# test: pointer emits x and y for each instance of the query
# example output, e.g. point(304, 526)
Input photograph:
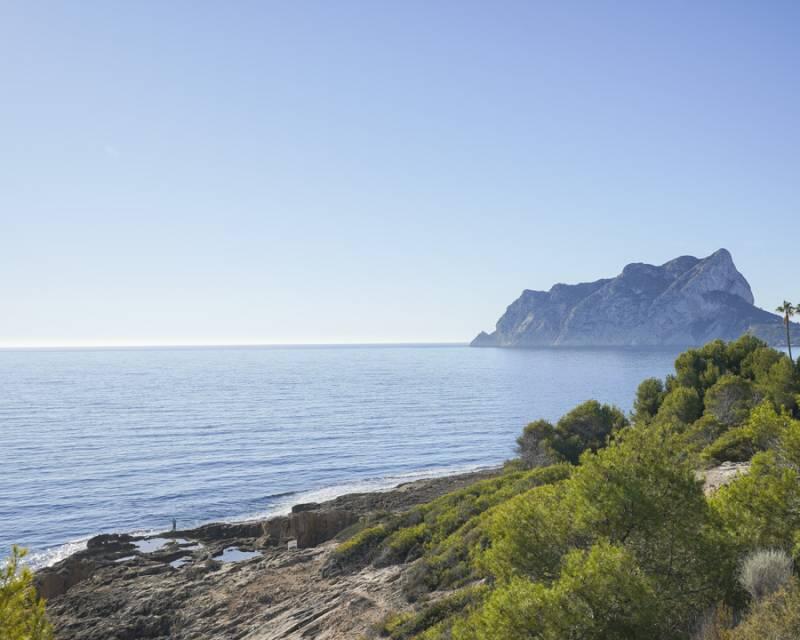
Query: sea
point(125, 440)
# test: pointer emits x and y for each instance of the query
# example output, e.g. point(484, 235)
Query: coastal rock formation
point(178, 586)
point(686, 301)
point(182, 591)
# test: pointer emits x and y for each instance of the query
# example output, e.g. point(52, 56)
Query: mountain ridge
point(683, 302)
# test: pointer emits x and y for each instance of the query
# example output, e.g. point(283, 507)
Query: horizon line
point(221, 345)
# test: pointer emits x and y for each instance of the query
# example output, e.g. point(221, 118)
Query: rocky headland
point(235, 580)
point(686, 301)
point(242, 580)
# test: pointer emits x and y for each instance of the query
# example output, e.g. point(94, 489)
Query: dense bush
point(408, 625)
point(681, 407)
point(586, 428)
point(762, 508)
point(649, 396)
point(639, 495)
point(761, 431)
point(730, 399)
point(735, 445)
point(534, 446)
point(444, 530)
point(701, 433)
point(601, 593)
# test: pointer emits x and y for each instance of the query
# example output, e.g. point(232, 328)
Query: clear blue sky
point(284, 172)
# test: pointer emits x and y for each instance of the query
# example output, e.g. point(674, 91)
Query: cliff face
point(687, 301)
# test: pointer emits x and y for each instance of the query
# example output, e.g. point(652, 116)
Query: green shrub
point(762, 507)
point(762, 431)
point(681, 407)
point(600, 594)
point(453, 554)
point(534, 445)
point(640, 493)
point(587, 427)
point(730, 399)
point(779, 382)
point(766, 425)
point(700, 369)
point(649, 396)
point(446, 530)
point(402, 542)
point(362, 546)
point(702, 433)
point(409, 625)
point(735, 445)
point(529, 535)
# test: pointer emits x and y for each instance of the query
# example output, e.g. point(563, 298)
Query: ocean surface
point(125, 440)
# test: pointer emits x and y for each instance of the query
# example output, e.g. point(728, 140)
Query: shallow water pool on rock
point(151, 545)
point(234, 554)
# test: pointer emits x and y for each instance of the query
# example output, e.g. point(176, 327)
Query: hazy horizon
point(265, 173)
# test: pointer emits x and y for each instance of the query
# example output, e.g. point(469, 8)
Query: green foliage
point(22, 614)
point(534, 445)
point(762, 430)
point(770, 374)
point(457, 529)
point(587, 427)
point(649, 396)
point(359, 548)
point(529, 534)
point(641, 494)
point(601, 593)
point(730, 399)
point(444, 530)
point(409, 625)
point(762, 507)
point(767, 426)
point(701, 433)
point(780, 384)
point(735, 445)
point(699, 369)
point(740, 351)
point(757, 364)
point(681, 407)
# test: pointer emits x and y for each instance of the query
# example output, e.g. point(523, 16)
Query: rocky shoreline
point(243, 580)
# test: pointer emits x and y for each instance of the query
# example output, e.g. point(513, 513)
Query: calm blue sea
point(124, 440)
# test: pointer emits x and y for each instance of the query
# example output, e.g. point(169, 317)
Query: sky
point(325, 172)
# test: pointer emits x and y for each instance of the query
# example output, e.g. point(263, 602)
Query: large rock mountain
point(687, 301)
